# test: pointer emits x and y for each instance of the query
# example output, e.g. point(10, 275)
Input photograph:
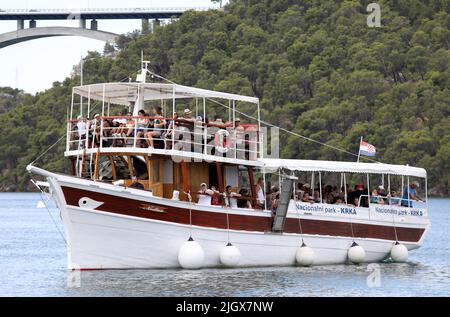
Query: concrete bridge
point(23, 34)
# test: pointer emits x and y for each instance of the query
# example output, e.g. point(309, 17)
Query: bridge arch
point(23, 35)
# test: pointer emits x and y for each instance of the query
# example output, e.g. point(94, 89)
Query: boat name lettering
point(348, 210)
point(310, 208)
point(321, 208)
point(399, 212)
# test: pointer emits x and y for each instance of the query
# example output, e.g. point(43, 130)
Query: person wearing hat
point(204, 195)
point(378, 196)
point(218, 123)
point(187, 115)
point(410, 194)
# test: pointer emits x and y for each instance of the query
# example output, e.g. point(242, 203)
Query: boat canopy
point(272, 165)
point(124, 93)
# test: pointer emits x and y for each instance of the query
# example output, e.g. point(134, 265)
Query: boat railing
point(189, 136)
point(387, 200)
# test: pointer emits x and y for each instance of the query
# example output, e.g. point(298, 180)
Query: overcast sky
point(34, 65)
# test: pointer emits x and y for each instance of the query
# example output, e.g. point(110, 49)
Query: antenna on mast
point(144, 69)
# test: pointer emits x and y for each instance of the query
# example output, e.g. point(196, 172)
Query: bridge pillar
point(145, 26)
point(20, 24)
point(32, 24)
point(94, 25)
point(155, 23)
point(82, 23)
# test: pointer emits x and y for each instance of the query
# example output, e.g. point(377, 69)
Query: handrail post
point(135, 133)
point(101, 133)
point(205, 137)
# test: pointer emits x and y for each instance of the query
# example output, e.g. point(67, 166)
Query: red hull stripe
point(142, 209)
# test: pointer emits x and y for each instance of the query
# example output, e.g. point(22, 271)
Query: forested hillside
point(317, 67)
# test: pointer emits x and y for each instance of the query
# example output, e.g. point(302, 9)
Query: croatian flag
point(366, 149)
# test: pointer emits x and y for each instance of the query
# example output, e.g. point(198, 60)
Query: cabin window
point(232, 176)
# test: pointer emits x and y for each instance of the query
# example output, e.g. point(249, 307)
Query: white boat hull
point(99, 239)
point(105, 241)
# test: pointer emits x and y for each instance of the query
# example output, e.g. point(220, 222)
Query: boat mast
point(141, 78)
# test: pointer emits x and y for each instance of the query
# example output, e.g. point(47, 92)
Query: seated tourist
point(354, 197)
point(381, 191)
point(158, 126)
point(204, 195)
point(316, 196)
point(327, 190)
point(307, 198)
point(142, 125)
point(106, 133)
point(135, 184)
point(330, 198)
point(307, 188)
point(120, 120)
point(338, 201)
point(119, 125)
point(170, 132)
point(129, 127)
point(299, 192)
point(377, 196)
point(393, 199)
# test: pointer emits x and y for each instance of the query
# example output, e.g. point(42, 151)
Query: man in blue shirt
point(412, 195)
point(136, 183)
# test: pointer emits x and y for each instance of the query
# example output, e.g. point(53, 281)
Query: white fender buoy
point(399, 253)
point(230, 255)
point(40, 204)
point(356, 253)
point(304, 255)
point(191, 255)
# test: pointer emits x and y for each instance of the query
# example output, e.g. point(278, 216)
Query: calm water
point(33, 263)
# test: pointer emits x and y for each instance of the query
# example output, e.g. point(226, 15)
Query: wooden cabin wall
point(197, 173)
point(168, 178)
point(156, 168)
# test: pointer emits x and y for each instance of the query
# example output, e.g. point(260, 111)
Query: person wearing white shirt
point(204, 195)
point(81, 127)
point(230, 197)
point(260, 192)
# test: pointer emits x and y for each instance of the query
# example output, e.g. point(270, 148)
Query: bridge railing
point(100, 10)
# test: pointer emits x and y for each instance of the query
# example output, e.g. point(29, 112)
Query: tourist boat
point(110, 224)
